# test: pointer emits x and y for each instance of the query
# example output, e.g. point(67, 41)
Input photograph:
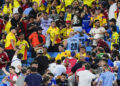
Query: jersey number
point(74, 46)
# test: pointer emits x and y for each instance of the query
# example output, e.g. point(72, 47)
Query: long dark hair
point(88, 9)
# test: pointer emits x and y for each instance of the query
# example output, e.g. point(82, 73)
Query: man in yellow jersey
point(68, 15)
point(24, 46)
point(63, 53)
point(82, 53)
point(10, 44)
point(54, 33)
point(45, 53)
point(66, 31)
point(115, 36)
point(98, 16)
point(16, 5)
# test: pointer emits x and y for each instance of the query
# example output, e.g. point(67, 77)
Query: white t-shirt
point(15, 79)
point(16, 62)
point(118, 21)
point(59, 70)
point(96, 33)
point(112, 10)
point(52, 67)
point(85, 78)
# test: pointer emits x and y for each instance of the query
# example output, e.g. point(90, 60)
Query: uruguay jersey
point(82, 39)
point(73, 44)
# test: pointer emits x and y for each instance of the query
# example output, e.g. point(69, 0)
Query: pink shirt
point(72, 62)
point(13, 77)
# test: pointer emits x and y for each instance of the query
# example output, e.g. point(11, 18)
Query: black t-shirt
point(94, 63)
point(77, 66)
point(43, 63)
point(33, 80)
point(34, 13)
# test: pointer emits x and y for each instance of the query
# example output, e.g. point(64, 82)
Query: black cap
point(69, 6)
point(1, 45)
point(39, 28)
point(53, 8)
point(13, 27)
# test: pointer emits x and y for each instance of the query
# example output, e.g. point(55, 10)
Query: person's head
point(111, 1)
point(16, 16)
point(20, 56)
point(7, 1)
point(118, 4)
point(113, 28)
point(46, 80)
point(3, 35)
point(12, 69)
point(53, 24)
point(25, 19)
point(105, 56)
point(106, 67)
point(39, 29)
point(33, 69)
point(24, 70)
point(58, 62)
point(6, 18)
point(87, 66)
point(51, 75)
point(68, 9)
point(112, 22)
point(52, 60)
point(94, 4)
point(28, 70)
point(31, 18)
point(102, 62)
point(44, 50)
point(34, 64)
point(21, 36)
point(85, 8)
point(115, 47)
point(1, 48)
point(68, 24)
point(98, 10)
point(13, 30)
point(100, 50)
point(61, 15)
point(45, 15)
point(63, 76)
point(93, 54)
point(53, 9)
point(83, 49)
point(114, 54)
point(71, 34)
point(35, 5)
point(97, 23)
point(61, 48)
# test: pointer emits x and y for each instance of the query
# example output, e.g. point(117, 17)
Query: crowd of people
point(85, 35)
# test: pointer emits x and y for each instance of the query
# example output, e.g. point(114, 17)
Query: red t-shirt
point(13, 77)
point(72, 63)
point(1, 25)
point(4, 57)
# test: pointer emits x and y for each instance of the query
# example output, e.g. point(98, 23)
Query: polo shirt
point(33, 79)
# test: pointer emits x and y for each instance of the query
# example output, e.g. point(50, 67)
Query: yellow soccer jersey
point(115, 39)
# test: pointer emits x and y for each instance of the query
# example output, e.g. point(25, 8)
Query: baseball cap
point(68, 22)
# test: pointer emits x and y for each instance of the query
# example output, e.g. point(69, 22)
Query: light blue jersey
point(82, 39)
point(73, 44)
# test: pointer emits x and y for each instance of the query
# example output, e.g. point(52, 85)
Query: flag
point(44, 2)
